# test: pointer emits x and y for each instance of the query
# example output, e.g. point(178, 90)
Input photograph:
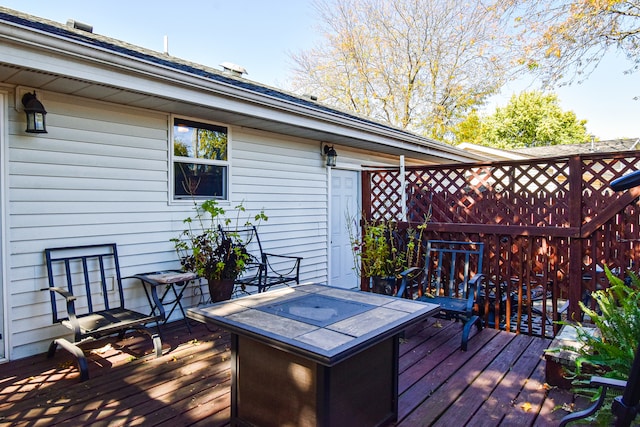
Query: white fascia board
point(491, 153)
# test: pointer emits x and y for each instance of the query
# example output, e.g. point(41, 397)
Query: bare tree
point(420, 65)
point(562, 41)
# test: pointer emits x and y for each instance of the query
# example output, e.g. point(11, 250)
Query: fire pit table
point(314, 355)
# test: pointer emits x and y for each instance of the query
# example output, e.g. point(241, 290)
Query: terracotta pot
point(220, 289)
point(383, 285)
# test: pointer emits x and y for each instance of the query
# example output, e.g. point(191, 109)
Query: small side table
point(175, 282)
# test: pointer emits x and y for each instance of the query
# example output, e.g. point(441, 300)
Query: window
point(200, 160)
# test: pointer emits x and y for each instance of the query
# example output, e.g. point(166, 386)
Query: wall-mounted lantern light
point(331, 154)
point(35, 113)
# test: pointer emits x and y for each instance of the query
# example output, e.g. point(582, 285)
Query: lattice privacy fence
point(550, 226)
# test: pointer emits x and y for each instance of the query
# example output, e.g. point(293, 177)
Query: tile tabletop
point(323, 323)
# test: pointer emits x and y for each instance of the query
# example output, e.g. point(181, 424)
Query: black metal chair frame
point(265, 269)
point(81, 276)
point(625, 407)
point(440, 282)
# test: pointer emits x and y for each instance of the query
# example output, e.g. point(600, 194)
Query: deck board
point(508, 393)
point(482, 382)
point(498, 381)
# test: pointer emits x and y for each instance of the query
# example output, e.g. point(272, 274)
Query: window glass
point(200, 180)
point(199, 140)
point(200, 160)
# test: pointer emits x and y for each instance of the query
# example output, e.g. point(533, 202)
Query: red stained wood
point(559, 215)
point(190, 383)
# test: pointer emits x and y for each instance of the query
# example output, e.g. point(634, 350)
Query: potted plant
point(203, 249)
point(381, 251)
point(611, 350)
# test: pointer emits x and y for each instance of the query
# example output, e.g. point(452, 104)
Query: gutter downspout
point(403, 187)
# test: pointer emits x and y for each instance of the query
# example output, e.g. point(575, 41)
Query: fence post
point(403, 190)
point(576, 242)
point(365, 184)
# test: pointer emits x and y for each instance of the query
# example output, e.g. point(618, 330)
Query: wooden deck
point(498, 381)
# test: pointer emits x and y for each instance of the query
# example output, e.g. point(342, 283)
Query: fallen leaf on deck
point(102, 350)
point(526, 406)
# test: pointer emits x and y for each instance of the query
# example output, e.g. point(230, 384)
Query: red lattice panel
point(385, 197)
point(596, 175)
point(505, 194)
point(530, 202)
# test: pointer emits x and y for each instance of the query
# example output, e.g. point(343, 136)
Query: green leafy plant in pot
point(380, 255)
point(203, 249)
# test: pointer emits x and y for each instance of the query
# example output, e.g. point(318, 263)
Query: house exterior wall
point(101, 175)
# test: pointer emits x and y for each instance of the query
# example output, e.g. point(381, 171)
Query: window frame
point(173, 159)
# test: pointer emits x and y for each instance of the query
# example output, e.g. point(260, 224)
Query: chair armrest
point(68, 296)
point(408, 271)
point(406, 275)
point(608, 382)
point(472, 291)
point(298, 258)
point(292, 265)
point(71, 309)
point(605, 383)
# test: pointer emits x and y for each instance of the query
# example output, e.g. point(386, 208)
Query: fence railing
point(550, 226)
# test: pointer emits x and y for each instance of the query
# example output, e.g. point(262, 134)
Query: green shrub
point(611, 352)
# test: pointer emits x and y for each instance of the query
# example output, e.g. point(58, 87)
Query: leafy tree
point(532, 118)
point(562, 40)
point(469, 129)
point(420, 65)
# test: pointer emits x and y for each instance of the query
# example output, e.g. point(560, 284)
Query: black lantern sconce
point(331, 154)
point(35, 113)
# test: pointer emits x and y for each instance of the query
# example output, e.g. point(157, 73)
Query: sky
point(259, 35)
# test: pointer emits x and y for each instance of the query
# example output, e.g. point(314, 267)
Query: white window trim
point(226, 163)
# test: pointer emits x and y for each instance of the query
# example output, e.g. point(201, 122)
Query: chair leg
point(157, 344)
point(467, 329)
point(155, 338)
point(74, 350)
point(52, 349)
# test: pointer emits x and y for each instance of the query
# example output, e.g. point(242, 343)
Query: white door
point(345, 200)
point(3, 170)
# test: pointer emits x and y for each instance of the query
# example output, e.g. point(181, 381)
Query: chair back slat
point(449, 264)
point(89, 268)
point(87, 283)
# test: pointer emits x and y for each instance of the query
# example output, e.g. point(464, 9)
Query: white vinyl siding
point(287, 178)
point(101, 175)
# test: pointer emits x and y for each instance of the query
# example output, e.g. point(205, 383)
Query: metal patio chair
point(265, 269)
point(625, 407)
point(451, 278)
point(87, 280)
